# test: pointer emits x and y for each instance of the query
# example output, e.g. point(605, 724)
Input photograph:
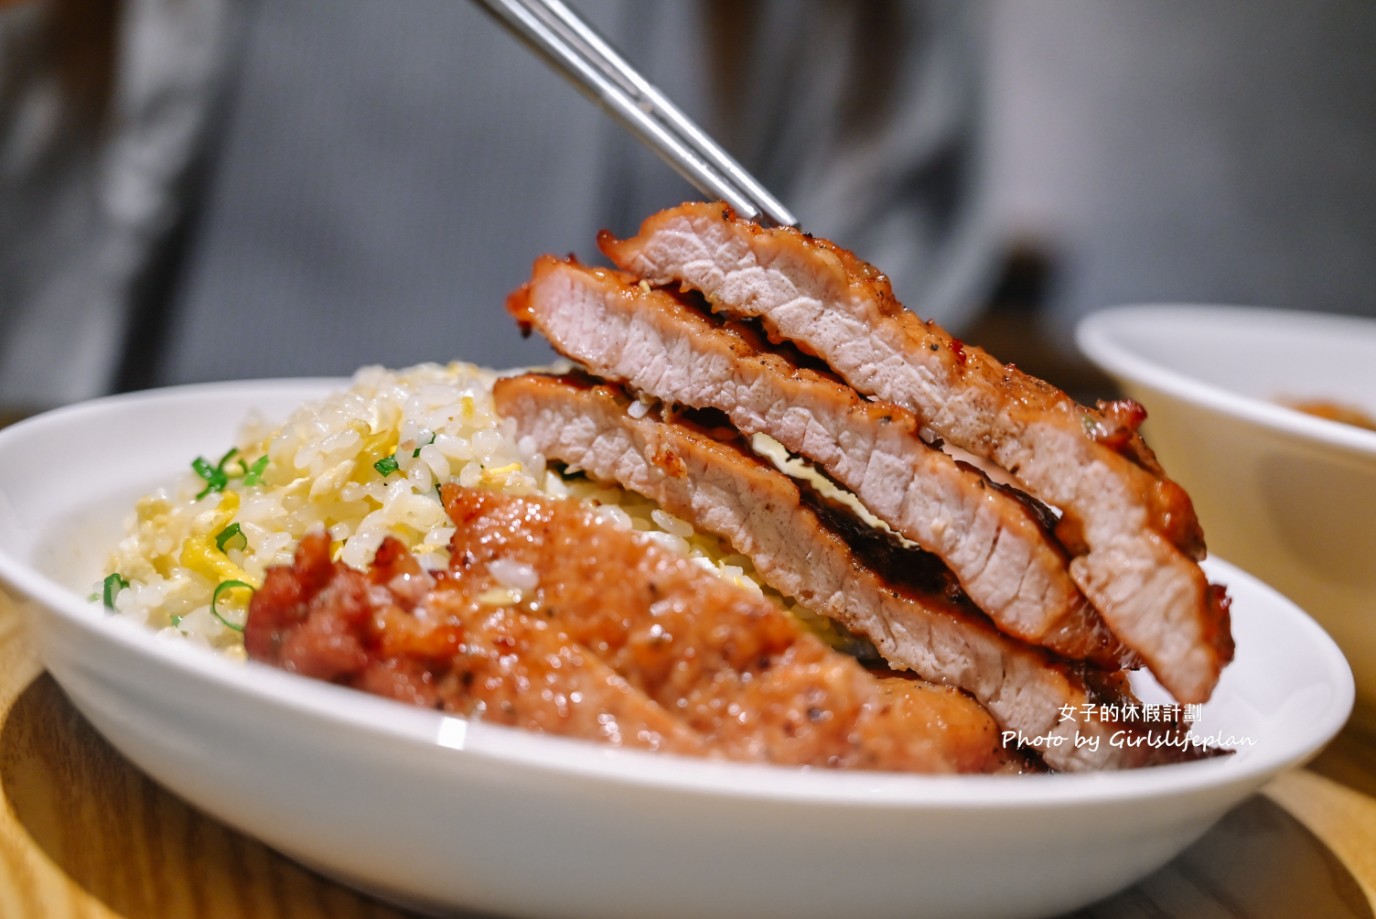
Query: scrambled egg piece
point(199, 552)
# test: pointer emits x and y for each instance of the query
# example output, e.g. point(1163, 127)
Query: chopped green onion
point(176, 620)
point(416, 452)
point(231, 537)
point(207, 472)
point(216, 478)
point(253, 474)
point(387, 465)
point(215, 597)
point(112, 585)
point(217, 475)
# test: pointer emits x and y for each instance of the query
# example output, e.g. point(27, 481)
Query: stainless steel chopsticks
point(571, 46)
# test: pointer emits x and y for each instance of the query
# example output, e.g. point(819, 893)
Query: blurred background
point(214, 189)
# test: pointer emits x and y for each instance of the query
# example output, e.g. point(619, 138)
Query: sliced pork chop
point(910, 611)
point(730, 664)
point(324, 620)
point(609, 637)
point(1131, 530)
point(995, 544)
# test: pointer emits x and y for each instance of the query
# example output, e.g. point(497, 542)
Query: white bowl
point(1288, 496)
point(449, 813)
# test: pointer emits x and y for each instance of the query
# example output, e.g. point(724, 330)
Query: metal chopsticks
point(572, 47)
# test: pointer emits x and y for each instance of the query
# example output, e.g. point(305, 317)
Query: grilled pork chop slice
point(910, 611)
point(732, 665)
point(397, 632)
point(608, 637)
point(1131, 530)
point(996, 545)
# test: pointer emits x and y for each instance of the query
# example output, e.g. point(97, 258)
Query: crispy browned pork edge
point(360, 628)
point(1131, 529)
point(993, 539)
point(1040, 701)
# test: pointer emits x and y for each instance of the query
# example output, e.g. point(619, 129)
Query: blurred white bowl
point(1286, 495)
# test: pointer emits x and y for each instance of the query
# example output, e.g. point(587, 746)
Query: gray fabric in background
point(385, 178)
point(380, 175)
point(387, 175)
point(92, 164)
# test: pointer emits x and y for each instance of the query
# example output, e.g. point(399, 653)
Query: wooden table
point(85, 834)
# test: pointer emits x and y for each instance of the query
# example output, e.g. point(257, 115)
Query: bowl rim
point(395, 723)
point(433, 730)
point(1100, 336)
